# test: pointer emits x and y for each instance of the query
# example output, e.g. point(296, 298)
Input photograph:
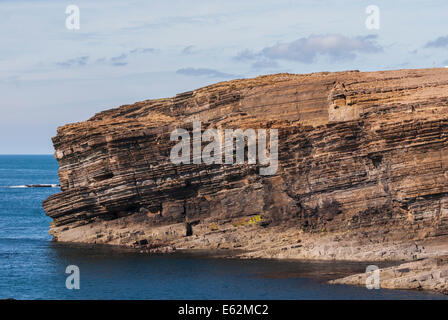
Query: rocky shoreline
point(427, 271)
point(362, 173)
point(427, 274)
point(421, 264)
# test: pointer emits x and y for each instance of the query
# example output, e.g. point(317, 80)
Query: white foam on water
point(35, 186)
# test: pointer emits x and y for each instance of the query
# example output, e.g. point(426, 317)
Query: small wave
point(36, 186)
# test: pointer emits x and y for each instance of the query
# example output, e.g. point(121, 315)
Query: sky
point(52, 74)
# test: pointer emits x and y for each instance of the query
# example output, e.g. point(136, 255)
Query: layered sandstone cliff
point(362, 170)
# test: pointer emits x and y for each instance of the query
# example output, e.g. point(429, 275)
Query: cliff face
point(361, 157)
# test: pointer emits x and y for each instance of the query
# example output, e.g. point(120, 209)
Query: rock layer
point(363, 163)
point(427, 274)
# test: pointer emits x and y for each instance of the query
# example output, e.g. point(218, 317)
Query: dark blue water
point(33, 267)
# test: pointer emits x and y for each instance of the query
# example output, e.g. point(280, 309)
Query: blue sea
point(33, 267)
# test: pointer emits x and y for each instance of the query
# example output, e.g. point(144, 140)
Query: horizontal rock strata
point(362, 170)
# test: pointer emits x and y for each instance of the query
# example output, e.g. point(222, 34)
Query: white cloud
point(336, 47)
point(440, 42)
point(199, 72)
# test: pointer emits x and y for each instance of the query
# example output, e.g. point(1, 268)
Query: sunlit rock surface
point(362, 171)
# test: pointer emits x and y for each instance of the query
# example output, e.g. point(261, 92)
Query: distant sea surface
point(33, 267)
